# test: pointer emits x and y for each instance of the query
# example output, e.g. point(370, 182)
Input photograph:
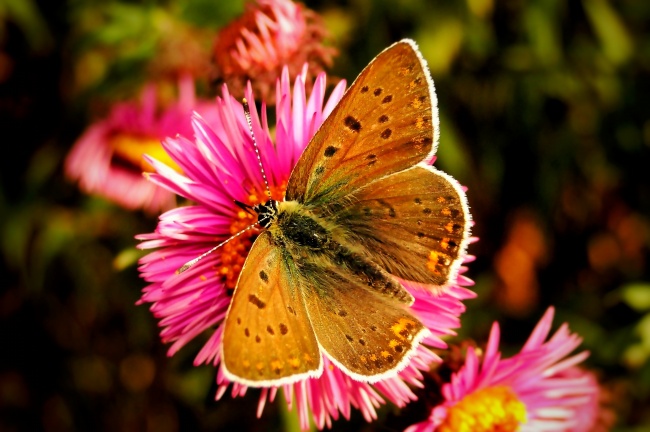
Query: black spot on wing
point(353, 124)
point(264, 276)
point(256, 301)
point(330, 151)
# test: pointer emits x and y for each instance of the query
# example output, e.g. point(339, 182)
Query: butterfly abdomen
point(369, 273)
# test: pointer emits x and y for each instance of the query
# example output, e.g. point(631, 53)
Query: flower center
point(129, 148)
point(234, 253)
point(493, 409)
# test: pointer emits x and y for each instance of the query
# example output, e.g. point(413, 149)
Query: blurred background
point(544, 117)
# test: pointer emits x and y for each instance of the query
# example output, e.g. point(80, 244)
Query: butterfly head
point(266, 213)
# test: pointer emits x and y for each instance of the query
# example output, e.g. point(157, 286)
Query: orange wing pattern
point(367, 335)
point(414, 224)
point(386, 122)
point(268, 339)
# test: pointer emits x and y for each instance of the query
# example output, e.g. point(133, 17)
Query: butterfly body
point(363, 215)
point(316, 244)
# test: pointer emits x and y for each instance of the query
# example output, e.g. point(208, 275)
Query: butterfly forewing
point(384, 123)
point(368, 335)
point(268, 339)
point(414, 224)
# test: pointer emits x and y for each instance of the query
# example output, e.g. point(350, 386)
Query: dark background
point(544, 116)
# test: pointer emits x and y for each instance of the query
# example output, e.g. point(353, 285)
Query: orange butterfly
point(362, 212)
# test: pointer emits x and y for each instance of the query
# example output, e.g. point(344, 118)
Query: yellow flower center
point(128, 149)
point(493, 409)
point(234, 253)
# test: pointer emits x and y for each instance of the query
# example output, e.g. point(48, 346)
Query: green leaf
point(612, 32)
point(637, 296)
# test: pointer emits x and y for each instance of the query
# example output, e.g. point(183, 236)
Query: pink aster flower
point(539, 389)
point(270, 35)
point(106, 160)
point(220, 166)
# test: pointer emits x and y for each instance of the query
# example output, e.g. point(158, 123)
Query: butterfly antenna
point(247, 112)
point(245, 207)
point(189, 264)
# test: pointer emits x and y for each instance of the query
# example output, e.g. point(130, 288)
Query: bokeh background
point(544, 116)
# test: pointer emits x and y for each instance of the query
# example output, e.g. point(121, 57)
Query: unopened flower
point(220, 166)
point(106, 160)
point(270, 35)
point(541, 388)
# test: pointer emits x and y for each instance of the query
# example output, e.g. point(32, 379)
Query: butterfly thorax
point(294, 226)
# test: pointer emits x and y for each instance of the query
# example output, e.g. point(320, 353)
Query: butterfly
point(363, 214)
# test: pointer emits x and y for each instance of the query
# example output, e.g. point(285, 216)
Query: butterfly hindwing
point(414, 224)
point(386, 122)
point(368, 335)
point(268, 339)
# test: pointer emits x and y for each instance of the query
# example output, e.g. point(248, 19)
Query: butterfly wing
point(367, 335)
point(414, 224)
point(268, 339)
point(386, 122)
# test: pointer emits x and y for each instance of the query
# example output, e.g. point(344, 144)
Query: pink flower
point(270, 35)
point(220, 166)
point(107, 160)
point(539, 389)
